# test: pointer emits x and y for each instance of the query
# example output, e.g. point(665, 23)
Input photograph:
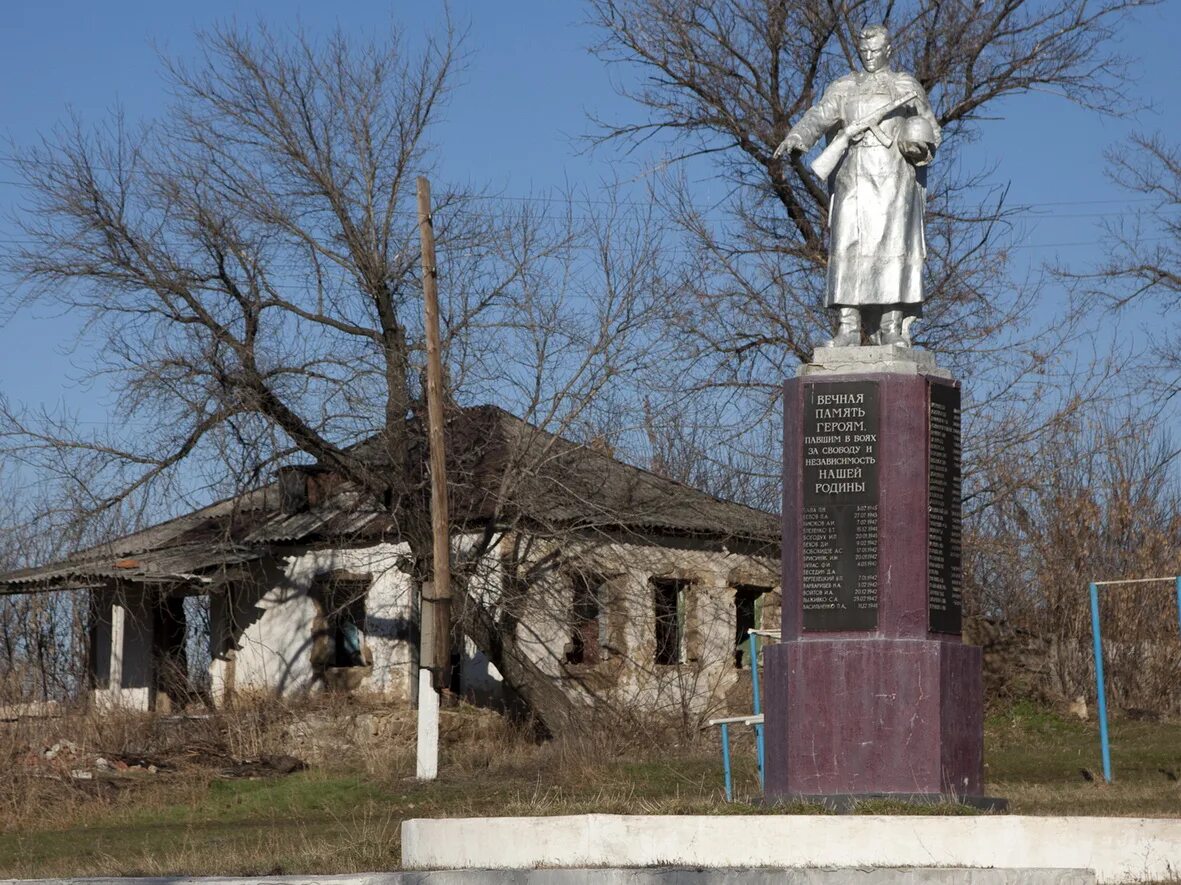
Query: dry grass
point(343, 814)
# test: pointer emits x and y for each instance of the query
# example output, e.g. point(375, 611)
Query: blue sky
point(513, 123)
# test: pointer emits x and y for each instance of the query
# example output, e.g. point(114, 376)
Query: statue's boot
point(894, 330)
point(849, 329)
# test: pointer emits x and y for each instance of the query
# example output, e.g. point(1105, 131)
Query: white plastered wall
point(272, 622)
point(273, 637)
point(480, 682)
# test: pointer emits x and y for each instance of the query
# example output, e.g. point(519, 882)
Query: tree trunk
point(548, 698)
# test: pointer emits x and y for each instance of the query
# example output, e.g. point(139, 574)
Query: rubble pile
point(67, 761)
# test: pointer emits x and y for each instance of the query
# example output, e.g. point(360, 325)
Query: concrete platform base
point(1114, 849)
point(890, 358)
point(659, 876)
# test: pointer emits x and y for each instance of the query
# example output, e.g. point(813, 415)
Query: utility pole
point(435, 642)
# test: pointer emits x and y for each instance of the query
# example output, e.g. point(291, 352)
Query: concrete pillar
point(222, 649)
point(428, 728)
point(118, 632)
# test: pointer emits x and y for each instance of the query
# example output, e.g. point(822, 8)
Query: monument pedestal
point(871, 691)
point(872, 717)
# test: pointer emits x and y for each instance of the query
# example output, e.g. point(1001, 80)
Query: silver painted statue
point(884, 134)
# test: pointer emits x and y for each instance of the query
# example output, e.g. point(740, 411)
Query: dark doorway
point(170, 659)
point(586, 625)
point(748, 610)
point(98, 645)
point(669, 603)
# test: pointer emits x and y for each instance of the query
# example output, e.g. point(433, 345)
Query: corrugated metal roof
point(195, 564)
point(555, 484)
point(341, 516)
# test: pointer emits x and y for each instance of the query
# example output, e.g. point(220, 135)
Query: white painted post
point(428, 728)
point(118, 631)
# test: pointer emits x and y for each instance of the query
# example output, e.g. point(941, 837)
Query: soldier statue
point(883, 135)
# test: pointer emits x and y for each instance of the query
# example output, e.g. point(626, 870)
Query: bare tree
point(1142, 268)
point(248, 265)
point(721, 81)
point(1099, 501)
point(39, 632)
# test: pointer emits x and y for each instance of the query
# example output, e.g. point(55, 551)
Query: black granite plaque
point(944, 557)
point(840, 503)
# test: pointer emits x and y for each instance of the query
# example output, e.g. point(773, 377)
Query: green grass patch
point(1044, 763)
point(299, 794)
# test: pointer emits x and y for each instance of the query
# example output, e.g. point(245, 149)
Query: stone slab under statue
point(892, 358)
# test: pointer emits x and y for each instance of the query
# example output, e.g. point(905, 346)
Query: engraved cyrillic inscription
point(840, 506)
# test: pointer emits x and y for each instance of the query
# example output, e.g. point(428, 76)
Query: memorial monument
point(871, 691)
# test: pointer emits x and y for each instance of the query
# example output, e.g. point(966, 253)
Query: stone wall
point(267, 633)
point(627, 671)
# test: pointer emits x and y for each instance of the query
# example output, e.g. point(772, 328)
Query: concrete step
point(651, 876)
point(1113, 849)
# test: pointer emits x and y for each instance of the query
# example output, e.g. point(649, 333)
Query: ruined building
point(624, 587)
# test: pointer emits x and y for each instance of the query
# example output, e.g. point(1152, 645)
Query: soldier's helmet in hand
point(918, 132)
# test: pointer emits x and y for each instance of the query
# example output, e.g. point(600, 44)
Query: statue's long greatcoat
point(876, 247)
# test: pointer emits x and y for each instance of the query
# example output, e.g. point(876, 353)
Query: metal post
point(1100, 689)
point(726, 762)
point(758, 706)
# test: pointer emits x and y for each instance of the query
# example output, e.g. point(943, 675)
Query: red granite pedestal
point(871, 691)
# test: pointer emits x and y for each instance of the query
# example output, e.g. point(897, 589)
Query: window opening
point(347, 623)
point(669, 604)
point(748, 615)
point(587, 638)
point(340, 632)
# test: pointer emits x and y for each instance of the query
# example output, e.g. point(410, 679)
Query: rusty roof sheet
point(181, 565)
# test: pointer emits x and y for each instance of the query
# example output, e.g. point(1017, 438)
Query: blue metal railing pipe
point(1100, 688)
point(758, 706)
point(1179, 600)
point(726, 762)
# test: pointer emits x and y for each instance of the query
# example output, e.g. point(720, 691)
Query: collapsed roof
point(501, 470)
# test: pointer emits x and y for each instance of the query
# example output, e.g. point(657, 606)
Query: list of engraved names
point(944, 557)
point(840, 509)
